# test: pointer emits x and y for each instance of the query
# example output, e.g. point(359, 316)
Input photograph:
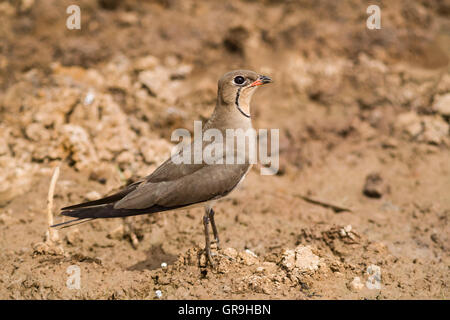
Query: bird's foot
point(217, 243)
point(209, 258)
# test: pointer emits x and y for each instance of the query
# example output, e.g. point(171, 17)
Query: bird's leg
point(213, 224)
point(207, 240)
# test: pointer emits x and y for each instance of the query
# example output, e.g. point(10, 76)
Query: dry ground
point(364, 124)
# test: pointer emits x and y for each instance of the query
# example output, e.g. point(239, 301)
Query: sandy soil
point(364, 124)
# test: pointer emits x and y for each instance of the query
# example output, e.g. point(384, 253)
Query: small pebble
point(89, 98)
point(356, 284)
point(93, 195)
point(251, 252)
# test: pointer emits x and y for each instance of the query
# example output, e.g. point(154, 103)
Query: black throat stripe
point(237, 103)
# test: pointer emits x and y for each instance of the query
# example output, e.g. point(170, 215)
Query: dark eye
point(239, 80)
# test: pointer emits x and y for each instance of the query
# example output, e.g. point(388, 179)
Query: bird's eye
point(239, 80)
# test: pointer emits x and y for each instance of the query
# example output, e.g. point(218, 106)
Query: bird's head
point(237, 87)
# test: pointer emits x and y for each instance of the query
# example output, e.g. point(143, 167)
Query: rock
point(128, 18)
point(181, 71)
point(154, 151)
point(345, 231)
point(259, 270)
point(191, 257)
point(145, 63)
point(356, 284)
point(93, 195)
point(259, 284)
point(305, 259)
point(226, 289)
point(117, 75)
point(336, 266)
point(288, 260)
point(436, 130)
point(89, 98)
point(77, 141)
point(429, 129)
point(203, 260)
point(410, 123)
point(373, 187)
point(164, 279)
point(16, 178)
point(47, 248)
point(155, 80)
point(171, 61)
point(37, 132)
point(365, 129)
point(267, 268)
point(248, 258)
point(125, 158)
point(164, 82)
point(251, 252)
point(230, 252)
point(302, 259)
point(94, 78)
point(442, 105)
point(158, 294)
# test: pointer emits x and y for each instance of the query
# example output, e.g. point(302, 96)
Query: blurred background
point(364, 125)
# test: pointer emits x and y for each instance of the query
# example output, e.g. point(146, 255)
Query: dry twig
point(334, 207)
point(52, 234)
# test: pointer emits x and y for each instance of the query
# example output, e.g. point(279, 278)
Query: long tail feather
point(70, 223)
point(112, 198)
point(108, 211)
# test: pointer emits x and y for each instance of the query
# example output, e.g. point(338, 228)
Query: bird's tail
point(103, 211)
point(106, 211)
point(104, 208)
point(101, 208)
point(70, 223)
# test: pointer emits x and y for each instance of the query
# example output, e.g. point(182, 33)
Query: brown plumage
point(175, 186)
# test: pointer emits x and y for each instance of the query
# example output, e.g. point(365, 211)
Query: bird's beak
point(260, 81)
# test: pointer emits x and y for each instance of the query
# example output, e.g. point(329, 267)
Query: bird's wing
point(206, 183)
point(109, 199)
point(169, 171)
point(177, 166)
point(170, 186)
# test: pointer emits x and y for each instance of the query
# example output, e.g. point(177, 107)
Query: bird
point(174, 185)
